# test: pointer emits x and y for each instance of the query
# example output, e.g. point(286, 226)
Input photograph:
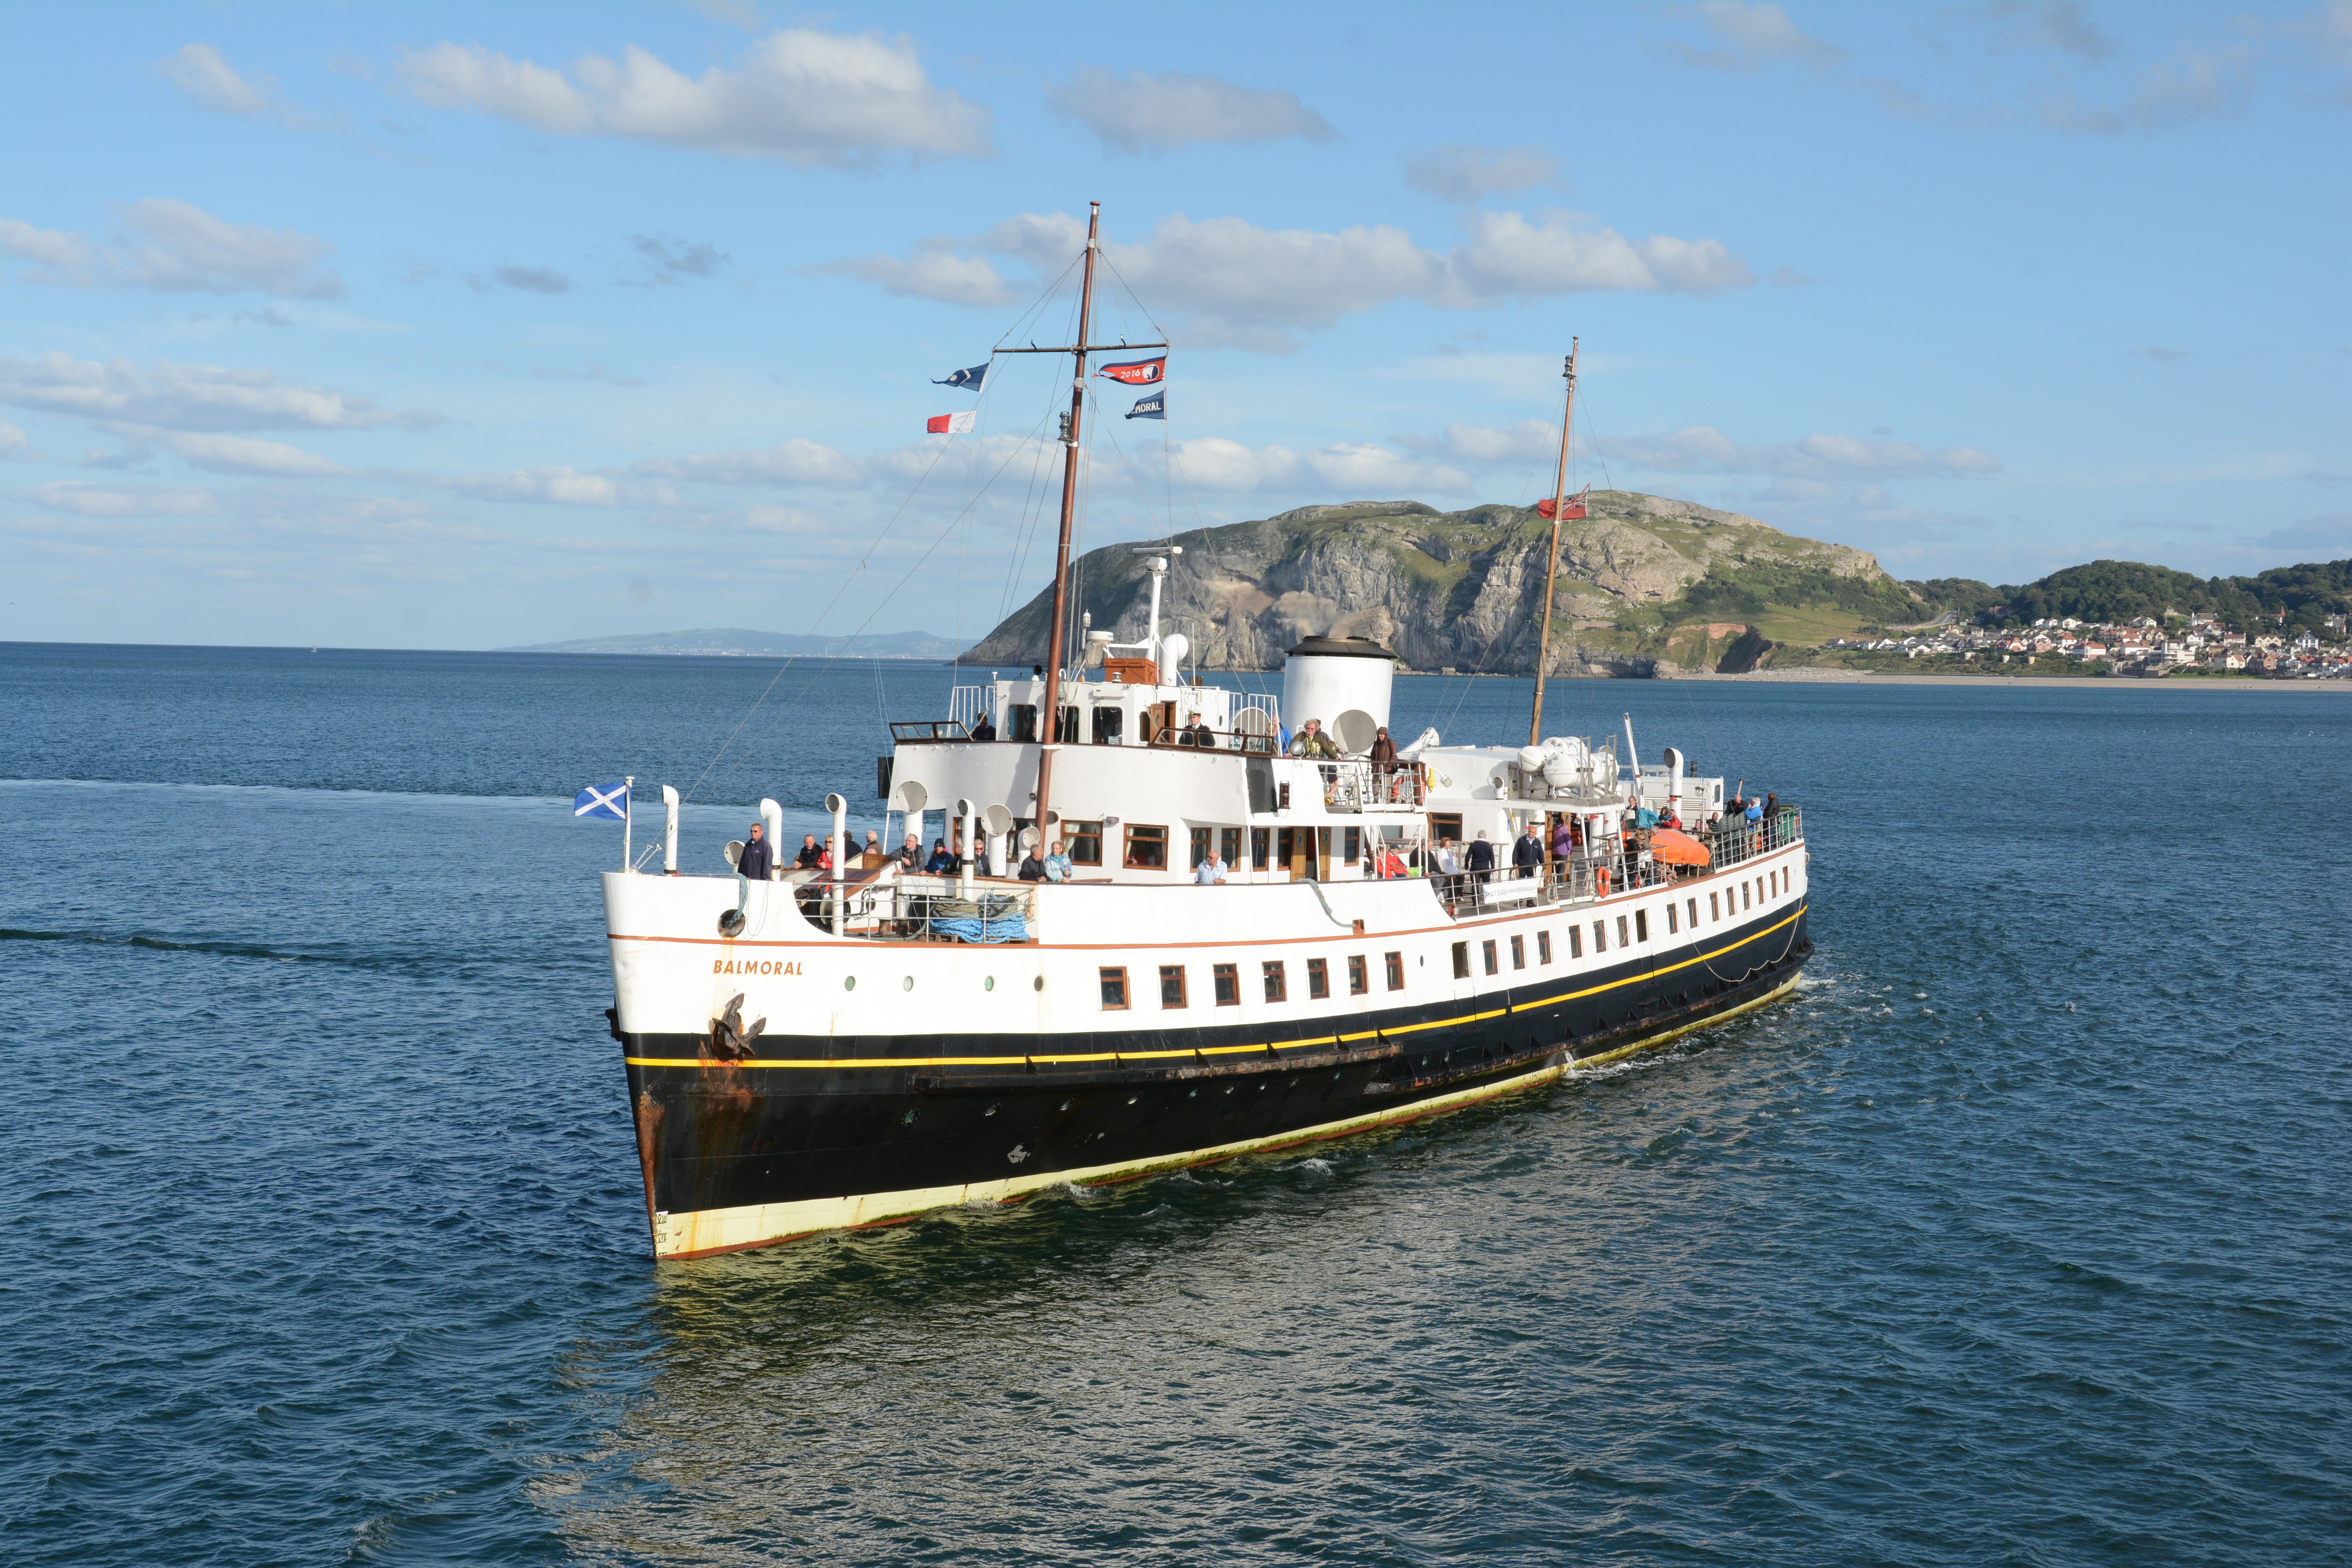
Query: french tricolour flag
point(952, 424)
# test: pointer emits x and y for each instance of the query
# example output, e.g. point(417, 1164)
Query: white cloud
point(2063, 25)
point(1746, 38)
point(1213, 462)
point(2190, 86)
point(562, 485)
point(790, 462)
point(176, 248)
point(1524, 442)
point(104, 500)
point(198, 70)
point(187, 396)
point(239, 454)
point(11, 438)
point(1458, 173)
point(1249, 286)
point(1703, 449)
point(1139, 113)
point(805, 98)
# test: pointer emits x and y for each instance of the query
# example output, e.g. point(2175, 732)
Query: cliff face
point(1461, 589)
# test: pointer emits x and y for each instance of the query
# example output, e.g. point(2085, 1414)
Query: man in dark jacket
point(1032, 866)
point(1482, 858)
point(810, 854)
point(757, 859)
point(1527, 852)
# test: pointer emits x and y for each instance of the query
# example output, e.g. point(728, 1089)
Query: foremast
point(1551, 574)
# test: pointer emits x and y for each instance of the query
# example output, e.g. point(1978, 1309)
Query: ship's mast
point(1552, 575)
point(1052, 732)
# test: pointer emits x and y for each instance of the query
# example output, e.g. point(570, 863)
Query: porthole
point(849, 982)
point(989, 984)
point(908, 984)
point(1039, 984)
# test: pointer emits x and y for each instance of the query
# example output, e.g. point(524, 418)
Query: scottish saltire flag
point(969, 380)
point(1137, 372)
point(1152, 408)
point(951, 424)
point(609, 800)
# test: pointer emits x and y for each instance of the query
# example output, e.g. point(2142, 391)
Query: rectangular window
point(1576, 941)
point(1083, 840)
point(1147, 849)
point(1114, 989)
point(1714, 911)
point(1442, 825)
point(1261, 855)
point(1694, 914)
point(1745, 900)
point(1108, 723)
point(1351, 845)
point(1623, 941)
point(1360, 977)
point(1543, 947)
point(1229, 847)
point(1172, 986)
point(1200, 847)
point(1395, 961)
point(1601, 936)
point(1519, 953)
point(1460, 960)
point(1489, 956)
point(1021, 721)
point(1641, 925)
point(1318, 979)
point(1277, 989)
point(1671, 926)
point(1229, 984)
point(1286, 845)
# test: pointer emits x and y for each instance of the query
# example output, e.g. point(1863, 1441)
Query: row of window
point(1146, 845)
point(1274, 974)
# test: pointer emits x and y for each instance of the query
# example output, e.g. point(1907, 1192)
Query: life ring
point(1601, 877)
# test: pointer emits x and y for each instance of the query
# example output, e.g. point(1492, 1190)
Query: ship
point(1074, 1001)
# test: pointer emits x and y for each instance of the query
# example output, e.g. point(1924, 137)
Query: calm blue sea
point(2021, 1236)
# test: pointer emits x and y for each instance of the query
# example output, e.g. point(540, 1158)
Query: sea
point(2021, 1233)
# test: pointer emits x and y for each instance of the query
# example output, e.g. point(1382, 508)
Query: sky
point(474, 327)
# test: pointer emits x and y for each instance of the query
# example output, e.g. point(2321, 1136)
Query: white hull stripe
point(709, 1231)
point(1260, 1048)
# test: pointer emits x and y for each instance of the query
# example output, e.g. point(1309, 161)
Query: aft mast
point(1551, 576)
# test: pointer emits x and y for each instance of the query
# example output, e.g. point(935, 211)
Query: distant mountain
point(735, 642)
point(1648, 586)
point(2120, 591)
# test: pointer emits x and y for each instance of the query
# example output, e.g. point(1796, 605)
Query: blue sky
point(471, 327)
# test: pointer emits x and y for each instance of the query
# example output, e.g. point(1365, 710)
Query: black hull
point(718, 1135)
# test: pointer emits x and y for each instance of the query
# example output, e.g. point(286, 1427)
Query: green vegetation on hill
point(2123, 591)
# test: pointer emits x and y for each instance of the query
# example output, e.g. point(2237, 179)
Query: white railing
point(967, 704)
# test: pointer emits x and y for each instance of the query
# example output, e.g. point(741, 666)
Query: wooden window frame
point(1487, 951)
point(1113, 974)
point(1641, 925)
point(1276, 979)
point(1694, 911)
point(1599, 936)
point(1129, 843)
point(1359, 976)
point(1229, 847)
point(1543, 947)
point(1673, 918)
point(1394, 963)
point(1460, 960)
point(1318, 979)
point(1623, 939)
point(1077, 838)
point(1175, 971)
point(1576, 941)
point(1261, 848)
point(1714, 909)
point(1226, 979)
point(1199, 850)
point(1351, 845)
point(1444, 825)
point(1519, 953)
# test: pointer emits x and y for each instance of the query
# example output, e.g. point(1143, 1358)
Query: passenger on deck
point(1390, 864)
point(1197, 733)
point(1312, 742)
point(942, 860)
point(1032, 866)
point(757, 859)
point(1209, 871)
point(1057, 864)
point(806, 860)
point(1482, 858)
point(985, 730)
point(1563, 838)
point(1527, 852)
point(910, 853)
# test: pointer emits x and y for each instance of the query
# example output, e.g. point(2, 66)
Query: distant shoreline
point(1810, 676)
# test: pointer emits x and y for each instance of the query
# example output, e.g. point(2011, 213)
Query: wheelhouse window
point(1318, 979)
point(1519, 953)
point(1395, 962)
point(1146, 848)
point(1460, 960)
point(1109, 723)
point(1543, 946)
point(1083, 842)
point(1228, 979)
point(1360, 979)
point(1021, 721)
point(1489, 956)
point(1277, 988)
point(1114, 989)
point(1172, 986)
point(1200, 847)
